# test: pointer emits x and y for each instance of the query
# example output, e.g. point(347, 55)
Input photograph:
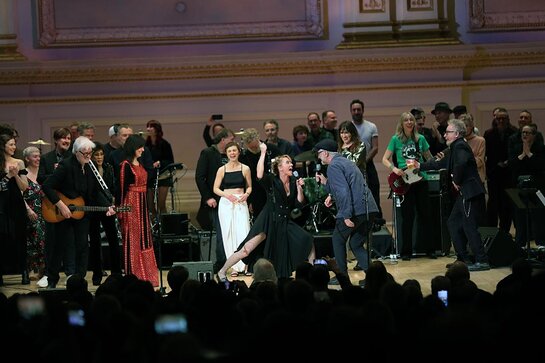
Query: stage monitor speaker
point(500, 247)
point(174, 224)
point(199, 270)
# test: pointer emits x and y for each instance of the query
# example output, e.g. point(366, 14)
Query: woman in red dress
point(139, 257)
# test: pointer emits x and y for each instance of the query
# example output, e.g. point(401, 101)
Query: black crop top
point(233, 180)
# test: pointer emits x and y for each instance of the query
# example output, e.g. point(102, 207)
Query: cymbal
point(39, 142)
point(306, 156)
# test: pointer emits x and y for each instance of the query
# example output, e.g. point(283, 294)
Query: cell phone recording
point(320, 261)
point(76, 317)
point(171, 324)
point(443, 296)
point(217, 117)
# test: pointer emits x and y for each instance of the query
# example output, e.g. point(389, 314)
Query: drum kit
point(320, 217)
point(40, 142)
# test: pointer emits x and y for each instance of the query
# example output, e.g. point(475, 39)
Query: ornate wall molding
point(485, 15)
point(304, 20)
point(321, 63)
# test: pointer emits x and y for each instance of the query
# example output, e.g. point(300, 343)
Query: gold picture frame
point(419, 5)
point(372, 6)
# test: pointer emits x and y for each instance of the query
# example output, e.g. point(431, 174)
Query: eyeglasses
point(449, 131)
point(527, 133)
point(86, 155)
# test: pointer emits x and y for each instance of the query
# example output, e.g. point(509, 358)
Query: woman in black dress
point(286, 243)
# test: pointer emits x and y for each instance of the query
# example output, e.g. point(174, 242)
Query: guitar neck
point(83, 208)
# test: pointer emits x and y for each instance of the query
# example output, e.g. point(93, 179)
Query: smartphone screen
point(443, 296)
point(217, 117)
point(320, 261)
point(171, 324)
point(76, 317)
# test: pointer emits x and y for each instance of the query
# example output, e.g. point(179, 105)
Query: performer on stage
point(356, 206)
point(161, 153)
point(233, 185)
point(73, 178)
point(286, 243)
point(468, 209)
point(135, 226)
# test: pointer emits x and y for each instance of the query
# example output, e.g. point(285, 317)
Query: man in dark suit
point(468, 209)
point(48, 163)
point(73, 178)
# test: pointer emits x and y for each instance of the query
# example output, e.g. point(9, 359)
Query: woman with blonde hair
point(36, 224)
point(286, 243)
point(408, 146)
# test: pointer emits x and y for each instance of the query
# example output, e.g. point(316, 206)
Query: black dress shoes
point(25, 279)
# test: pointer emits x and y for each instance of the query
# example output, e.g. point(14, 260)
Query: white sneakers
point(42, 282)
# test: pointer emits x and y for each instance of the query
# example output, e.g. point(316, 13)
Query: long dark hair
point(349, 127)
point(4, 138)
point(133, 143)
point(158, 132)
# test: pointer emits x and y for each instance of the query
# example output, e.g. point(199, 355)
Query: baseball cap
point(326, 144)
point(417, 112)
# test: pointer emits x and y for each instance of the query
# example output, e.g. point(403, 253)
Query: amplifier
point(199, 270)
point(174, 224)
point(437, 180)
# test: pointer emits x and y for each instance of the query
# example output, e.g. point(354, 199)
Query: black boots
point(25, 279)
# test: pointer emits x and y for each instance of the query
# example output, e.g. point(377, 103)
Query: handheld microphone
point(295, 174)
point(318, 167)
point(445, 152)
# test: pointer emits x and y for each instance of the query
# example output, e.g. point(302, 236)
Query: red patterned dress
point(138, 254)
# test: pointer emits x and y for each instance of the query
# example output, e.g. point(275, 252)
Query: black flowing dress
point(287, 244)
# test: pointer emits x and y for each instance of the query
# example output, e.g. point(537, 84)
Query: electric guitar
point(400, 184)
point(77, 206)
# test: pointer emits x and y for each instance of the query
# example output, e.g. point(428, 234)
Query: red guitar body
point(397, 184)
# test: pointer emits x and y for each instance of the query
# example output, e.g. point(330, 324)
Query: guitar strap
point(101, 181)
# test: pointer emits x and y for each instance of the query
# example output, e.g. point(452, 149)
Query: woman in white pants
point(233, 184)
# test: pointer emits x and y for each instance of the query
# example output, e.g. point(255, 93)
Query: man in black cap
point(356, 206)
point(442, 113)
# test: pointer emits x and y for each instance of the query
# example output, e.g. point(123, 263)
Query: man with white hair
point(72, 179)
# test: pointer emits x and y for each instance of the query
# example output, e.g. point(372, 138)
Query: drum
point(314, 191)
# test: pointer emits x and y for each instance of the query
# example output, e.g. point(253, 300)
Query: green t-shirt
point(408, 150)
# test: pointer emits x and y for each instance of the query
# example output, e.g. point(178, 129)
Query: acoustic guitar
point(400, 184)
point(77, 206)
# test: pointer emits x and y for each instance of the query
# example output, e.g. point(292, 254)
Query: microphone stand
point(162, 289)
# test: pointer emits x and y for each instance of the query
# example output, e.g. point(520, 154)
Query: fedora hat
point(441, 106)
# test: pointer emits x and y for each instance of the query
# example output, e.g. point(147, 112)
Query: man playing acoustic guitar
point(73, 178)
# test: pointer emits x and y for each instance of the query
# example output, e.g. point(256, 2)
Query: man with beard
point(368, 134)
point(468, 209)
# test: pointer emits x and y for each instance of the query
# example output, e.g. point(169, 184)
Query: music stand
point(396, 203)
point(526, 199)
point(168, 171)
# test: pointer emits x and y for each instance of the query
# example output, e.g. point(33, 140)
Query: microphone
point(445, 154)
point(318, 167)
point(295, 174)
